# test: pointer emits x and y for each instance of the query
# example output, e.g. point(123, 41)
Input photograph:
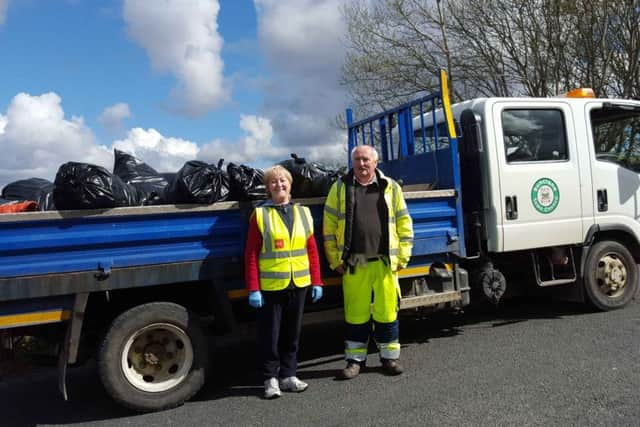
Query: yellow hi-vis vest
point(283, 257)
point(400, 224)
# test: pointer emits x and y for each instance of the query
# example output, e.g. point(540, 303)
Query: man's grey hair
point(372, 151)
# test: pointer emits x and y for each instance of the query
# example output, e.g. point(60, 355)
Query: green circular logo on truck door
point(545, 195)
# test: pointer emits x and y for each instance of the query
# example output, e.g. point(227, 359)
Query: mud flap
point(69, 351)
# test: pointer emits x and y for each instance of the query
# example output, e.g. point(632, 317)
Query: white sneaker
point(293, 384)
point(271, 389)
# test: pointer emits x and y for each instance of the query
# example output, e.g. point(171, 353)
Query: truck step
point(549, 274)
point(430, 299)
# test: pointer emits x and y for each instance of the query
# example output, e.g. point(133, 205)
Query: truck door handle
point(603, 202)
point(511, 204)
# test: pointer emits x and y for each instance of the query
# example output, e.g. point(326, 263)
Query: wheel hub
point(611, 275)
point(157, 357)
point(153, 353)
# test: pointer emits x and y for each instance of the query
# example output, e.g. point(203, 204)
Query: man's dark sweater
point(367, 227)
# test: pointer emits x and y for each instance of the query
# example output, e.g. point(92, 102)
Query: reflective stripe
point(266, 224)
point(330, 237)
point(353, 345)
point(355, 350)
point(278, 255)
point(36, 318)
point(393, 251)
point(330, 210)
point(305, 220)
point(274, 275)
point(283, 275)
point(301, 273)
point(403, 212)
point(341, 215)
point(333, 212)
point(406, 239)
point(394, 187)
point(389, 350)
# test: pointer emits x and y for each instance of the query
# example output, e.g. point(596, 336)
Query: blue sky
point(168, 80)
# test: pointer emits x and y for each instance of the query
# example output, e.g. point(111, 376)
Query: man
point(368, 236)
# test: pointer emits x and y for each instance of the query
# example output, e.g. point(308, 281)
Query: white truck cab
point(558, 179)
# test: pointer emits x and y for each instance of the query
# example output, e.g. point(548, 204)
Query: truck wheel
point(493, 284)
point(153, 357)
point(610, 275)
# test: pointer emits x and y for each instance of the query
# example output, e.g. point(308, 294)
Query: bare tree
point(491, 47)
point(394, 52)
point(624, 47)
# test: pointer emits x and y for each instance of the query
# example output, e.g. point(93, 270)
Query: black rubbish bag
point(37, 189)
point(168, 176)
point(246, 183)
point(149, 184)
point(86, 186)
point(310, 179)
point(125, 194)
point(198, 182)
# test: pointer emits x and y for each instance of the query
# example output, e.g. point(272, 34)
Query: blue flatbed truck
point(140, 288)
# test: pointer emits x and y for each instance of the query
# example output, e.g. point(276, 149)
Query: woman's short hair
point(275, 171)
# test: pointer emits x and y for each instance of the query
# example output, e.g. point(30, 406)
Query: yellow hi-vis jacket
point(283, 257)
point(400, 225)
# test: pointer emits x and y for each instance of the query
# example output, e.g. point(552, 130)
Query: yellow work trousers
point(377, 279)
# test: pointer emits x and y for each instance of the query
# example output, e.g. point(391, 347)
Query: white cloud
point(167, 154)
point(4, 6)
point(311, 36)
point(255, 146)
point(181, 37)
point(112, 117)
point(36, 139)
point(301, 42)
point(164, 154)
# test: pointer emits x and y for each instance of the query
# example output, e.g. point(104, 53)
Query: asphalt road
point(533, 363)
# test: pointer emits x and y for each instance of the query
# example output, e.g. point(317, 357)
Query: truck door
point(616, 148)
point(538, 173)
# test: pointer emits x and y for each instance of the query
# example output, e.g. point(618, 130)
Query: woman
point(281, 262)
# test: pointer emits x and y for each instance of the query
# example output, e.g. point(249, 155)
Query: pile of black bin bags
point(135, 183)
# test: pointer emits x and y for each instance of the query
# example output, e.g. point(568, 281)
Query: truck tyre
point(610, 275)
point(153, 357)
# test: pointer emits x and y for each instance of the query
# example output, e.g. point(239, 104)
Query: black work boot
point(351, 371)
point(391, 366)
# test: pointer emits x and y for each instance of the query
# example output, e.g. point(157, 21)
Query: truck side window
point(534, 135)
point(616, 136)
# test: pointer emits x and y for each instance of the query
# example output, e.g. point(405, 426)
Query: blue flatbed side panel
point(434, 225)
point(84, 243)
point(91, 243)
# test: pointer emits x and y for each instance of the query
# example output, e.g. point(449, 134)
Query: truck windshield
point(616, 136)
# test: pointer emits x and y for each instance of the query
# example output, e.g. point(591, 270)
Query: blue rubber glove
point(316, 293)
point(255, 299)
